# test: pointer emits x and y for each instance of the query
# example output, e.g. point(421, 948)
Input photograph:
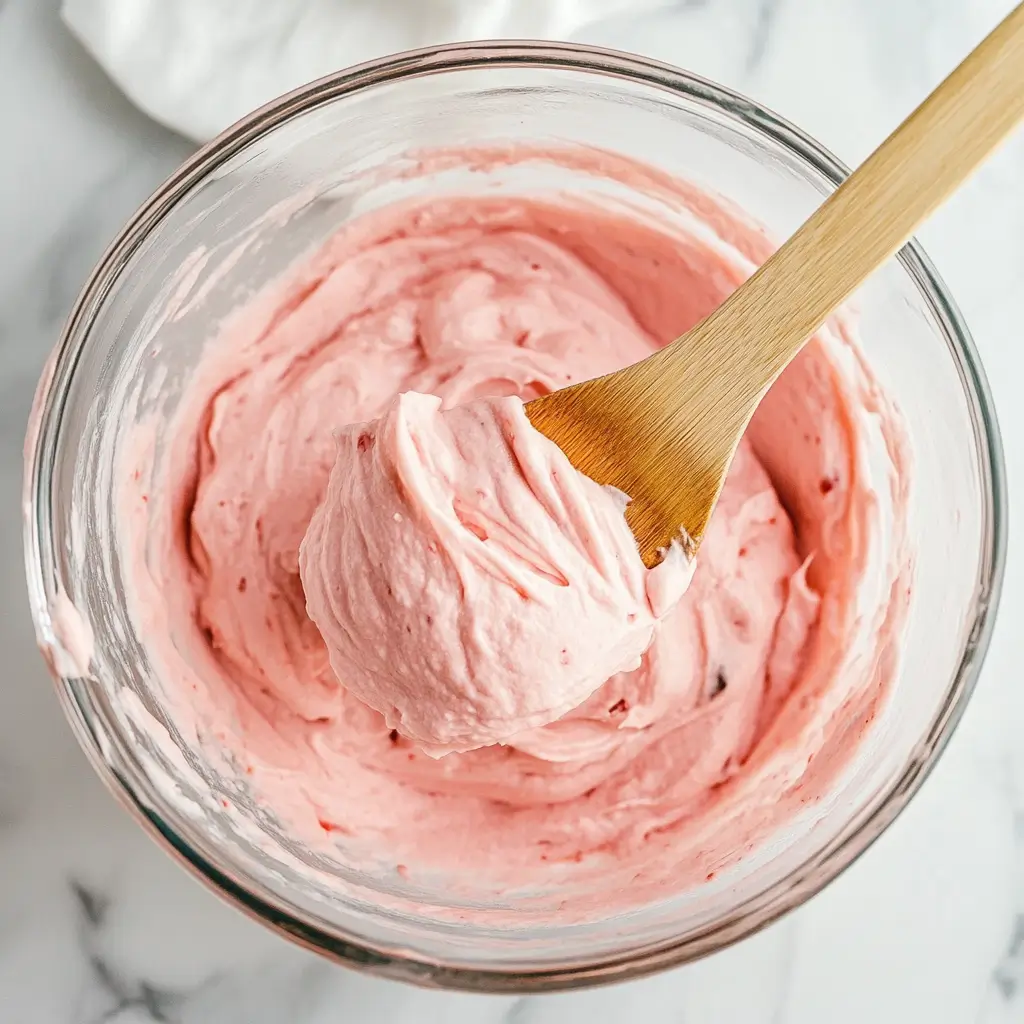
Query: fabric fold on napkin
point(199, 65)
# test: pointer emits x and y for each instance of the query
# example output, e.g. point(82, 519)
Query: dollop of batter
point(751, 692)
point(469, 583)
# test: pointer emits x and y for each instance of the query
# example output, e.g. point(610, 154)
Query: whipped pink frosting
point(469, 583)
point(750, 699)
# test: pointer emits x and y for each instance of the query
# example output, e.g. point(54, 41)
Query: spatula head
point(668, 449)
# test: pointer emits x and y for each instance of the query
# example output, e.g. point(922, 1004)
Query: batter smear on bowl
point(515, 703)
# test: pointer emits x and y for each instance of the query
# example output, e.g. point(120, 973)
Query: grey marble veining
point(97, 925)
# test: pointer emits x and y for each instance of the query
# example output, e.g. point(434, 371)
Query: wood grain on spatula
point(664, 430)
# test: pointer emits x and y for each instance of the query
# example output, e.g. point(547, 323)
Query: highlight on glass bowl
point(369, 655)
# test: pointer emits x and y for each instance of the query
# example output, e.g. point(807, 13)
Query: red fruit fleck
point(242, 584)
point(621, 706)
point(475, 528)
point(826, 484)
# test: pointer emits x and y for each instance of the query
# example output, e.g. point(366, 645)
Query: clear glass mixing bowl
point(302, 165)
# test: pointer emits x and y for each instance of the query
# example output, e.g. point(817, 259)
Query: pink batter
point(470, 584)
point(742, 710)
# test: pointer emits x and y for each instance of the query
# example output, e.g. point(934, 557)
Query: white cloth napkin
point(199, 65)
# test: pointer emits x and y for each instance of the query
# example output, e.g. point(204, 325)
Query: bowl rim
point(293, 922)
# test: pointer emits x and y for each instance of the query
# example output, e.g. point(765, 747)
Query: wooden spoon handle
point(869, 217)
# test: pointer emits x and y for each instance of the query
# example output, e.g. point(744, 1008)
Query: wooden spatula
point(664, 430)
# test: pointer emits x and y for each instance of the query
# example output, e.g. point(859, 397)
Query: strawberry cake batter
point(415, 639)
point(458, 557)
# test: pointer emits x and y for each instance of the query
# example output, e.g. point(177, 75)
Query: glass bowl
point(303, 165)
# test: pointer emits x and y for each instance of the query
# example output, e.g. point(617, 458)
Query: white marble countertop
point(98, 925)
